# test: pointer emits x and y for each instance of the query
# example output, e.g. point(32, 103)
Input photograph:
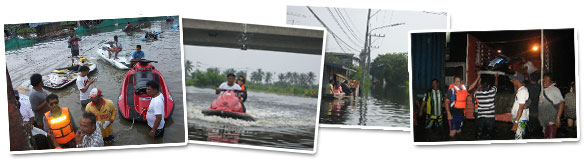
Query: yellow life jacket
point(61, 126)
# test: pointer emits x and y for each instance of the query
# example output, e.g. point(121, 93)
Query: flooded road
point(44, 57)
point(281, 121)
point(502, 131)
point(381, 107)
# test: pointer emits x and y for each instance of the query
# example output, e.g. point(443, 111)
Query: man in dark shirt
point(346, 89)
point(534, 129)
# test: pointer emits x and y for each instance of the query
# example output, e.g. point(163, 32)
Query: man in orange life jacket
point(456, 104)
point(59, 123)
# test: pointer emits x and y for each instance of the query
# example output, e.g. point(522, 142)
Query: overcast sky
point(204, 57)
point(395, 40)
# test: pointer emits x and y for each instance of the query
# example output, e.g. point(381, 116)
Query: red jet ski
point(133, 101)
point(227, 105)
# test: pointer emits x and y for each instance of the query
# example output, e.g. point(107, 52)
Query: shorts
point(108, 138)
point(456, 122)
point(520, 132)
point(74, 53)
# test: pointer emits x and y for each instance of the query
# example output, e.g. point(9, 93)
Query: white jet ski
point(123, 61)
point(61, 77)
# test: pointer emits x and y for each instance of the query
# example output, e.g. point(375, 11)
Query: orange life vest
point(61, 126)
point(461, 94)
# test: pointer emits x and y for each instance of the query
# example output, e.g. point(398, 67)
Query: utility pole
point(365, 53)
point(369, 55)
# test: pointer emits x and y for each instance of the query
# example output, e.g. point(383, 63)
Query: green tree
point(392, 67)
point(281, 78)
point(311, 78)
point(268, 78)
point(257, 76)
point(188, 67)
point(242, 73)
point(230, 70)
point(332, 59)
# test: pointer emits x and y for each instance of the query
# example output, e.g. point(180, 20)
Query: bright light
point(499, 51)
point(535, 48)
point(57, 120)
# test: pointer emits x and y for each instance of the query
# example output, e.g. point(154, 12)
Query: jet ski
point(123, 61)
point(227, 105)
point(133, 28)
point(151, 36)
point(61, 77)
point(499, 65)
point(133, 101)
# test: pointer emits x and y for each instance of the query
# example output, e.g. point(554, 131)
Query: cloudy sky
point(250, 60)
point(353, 22)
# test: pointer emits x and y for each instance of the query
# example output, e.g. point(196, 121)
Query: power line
point(344, 21)
point(350, 20)
point(337, 39)
point(339, 25)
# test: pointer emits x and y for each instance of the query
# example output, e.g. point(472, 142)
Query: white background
point(335, 146)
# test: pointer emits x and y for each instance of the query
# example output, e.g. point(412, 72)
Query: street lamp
point(535, 48)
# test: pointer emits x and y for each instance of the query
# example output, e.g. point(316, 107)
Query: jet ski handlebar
point(223, 90)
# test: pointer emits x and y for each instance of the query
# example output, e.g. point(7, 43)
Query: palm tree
point(295, 78)
point(260, 75)
point(213, 70)
point(289, 77)
point(254, 77)
point(188, 67)
point(230, 70)
point(242, 73)
point(303, 79)
point(281, 77)
point(268, 77)
point(311, 78)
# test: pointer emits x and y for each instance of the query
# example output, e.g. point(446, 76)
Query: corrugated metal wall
point(428, 59)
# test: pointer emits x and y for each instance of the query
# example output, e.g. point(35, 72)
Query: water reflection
point(383, 107)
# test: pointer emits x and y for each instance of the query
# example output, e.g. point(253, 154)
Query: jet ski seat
point(141, 78)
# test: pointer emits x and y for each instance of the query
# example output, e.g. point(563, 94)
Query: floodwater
point(281, 121)
point(381, 107)
point(501, 131)
point(44, 57)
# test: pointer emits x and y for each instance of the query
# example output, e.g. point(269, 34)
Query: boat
point(123, 61)
point(227, 105)
point(61, 77)
point(133, 101)
point(337, 96)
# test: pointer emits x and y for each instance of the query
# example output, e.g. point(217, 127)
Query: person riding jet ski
point(230, 85)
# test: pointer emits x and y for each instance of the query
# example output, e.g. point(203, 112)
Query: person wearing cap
point(105, 111)
point(520, 109)
point(83, 84)
point(551, 107)
point(155, 113)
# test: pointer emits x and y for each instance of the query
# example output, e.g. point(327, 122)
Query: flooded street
point(43, 57)
point(381, 107)
point(281, 121)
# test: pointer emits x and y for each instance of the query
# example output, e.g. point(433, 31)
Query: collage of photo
point(171, 81)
